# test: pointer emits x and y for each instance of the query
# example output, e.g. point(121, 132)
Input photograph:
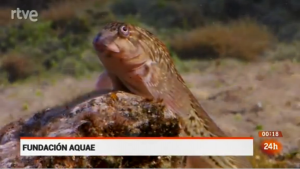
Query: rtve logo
point(24, 14)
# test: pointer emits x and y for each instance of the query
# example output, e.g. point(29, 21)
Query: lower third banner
point(130, 146)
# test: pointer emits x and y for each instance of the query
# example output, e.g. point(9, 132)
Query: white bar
point(143, 147)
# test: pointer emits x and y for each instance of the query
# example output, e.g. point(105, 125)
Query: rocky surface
point(110, 115)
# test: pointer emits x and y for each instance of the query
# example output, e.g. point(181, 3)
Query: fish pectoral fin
point(104, 82)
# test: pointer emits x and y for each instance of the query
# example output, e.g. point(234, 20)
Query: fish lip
point(98, 45)
point(102, 47)
point(102, 44)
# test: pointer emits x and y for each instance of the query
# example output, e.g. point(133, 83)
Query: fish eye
point(124, 31)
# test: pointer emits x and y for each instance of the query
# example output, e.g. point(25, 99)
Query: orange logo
point(271, 147)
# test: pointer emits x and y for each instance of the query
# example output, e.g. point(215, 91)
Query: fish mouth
point(102, 44)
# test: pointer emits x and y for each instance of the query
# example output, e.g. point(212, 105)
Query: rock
point(116, 114)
